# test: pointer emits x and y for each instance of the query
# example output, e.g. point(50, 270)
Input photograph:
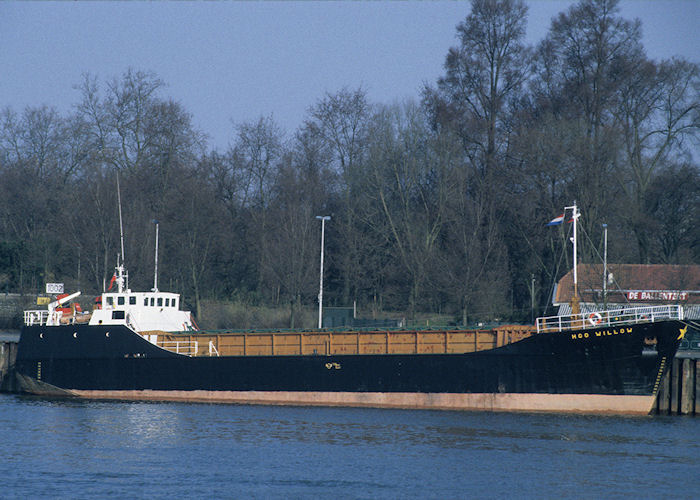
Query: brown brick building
point(632, 285)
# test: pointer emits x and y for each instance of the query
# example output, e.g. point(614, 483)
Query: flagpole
point(574, 218)
point(575, 252)
point(605, 268)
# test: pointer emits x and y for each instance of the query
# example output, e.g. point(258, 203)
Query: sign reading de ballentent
point(656, 295)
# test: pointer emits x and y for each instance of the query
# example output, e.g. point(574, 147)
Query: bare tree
point(255, 156)
point(473, 101)
point(409, 184)
point(673, 200)
point(488, 68)
point(656, 115)
point(341, 120)
point(292, 235)
point(579, 63)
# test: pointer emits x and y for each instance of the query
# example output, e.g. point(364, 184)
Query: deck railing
point(213, 351)
point(37, 317)
point(186, 347)
point(612, 317)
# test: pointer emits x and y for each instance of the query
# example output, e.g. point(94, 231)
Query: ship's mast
point(122, 277)
point(605, 267)
point(574, 218)
point(155, 270)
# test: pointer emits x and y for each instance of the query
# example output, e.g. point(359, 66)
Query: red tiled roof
point(627, 277)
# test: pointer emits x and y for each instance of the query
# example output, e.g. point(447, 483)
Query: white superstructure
point(140, 311)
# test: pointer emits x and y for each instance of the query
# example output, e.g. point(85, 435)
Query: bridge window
point(145, 301)
point(174, 303)
point(132, 300)
point(110, 301)
point(167, 302)
point(117, 314)
point(160, 301)
point(120, 301)
point(152, 302)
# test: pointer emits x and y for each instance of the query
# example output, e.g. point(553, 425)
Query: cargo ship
point(142, 346)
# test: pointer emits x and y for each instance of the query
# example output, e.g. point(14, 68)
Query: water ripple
point(97, 449)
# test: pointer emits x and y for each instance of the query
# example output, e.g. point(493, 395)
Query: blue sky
point(230, 62)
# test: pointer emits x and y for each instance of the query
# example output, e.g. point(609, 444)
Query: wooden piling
point(687, 387)
point(675, 386)
point(679, 389)
point(697, 387)
point(8, 354)
point(664, 396)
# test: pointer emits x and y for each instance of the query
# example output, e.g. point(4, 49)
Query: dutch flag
point(556, 221)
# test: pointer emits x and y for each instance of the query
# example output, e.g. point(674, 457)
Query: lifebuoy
point(595, 318)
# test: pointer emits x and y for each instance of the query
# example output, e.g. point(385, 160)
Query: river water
point(55, 448)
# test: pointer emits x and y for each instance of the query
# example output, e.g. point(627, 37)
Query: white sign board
point(656, 295)
point(54, 288)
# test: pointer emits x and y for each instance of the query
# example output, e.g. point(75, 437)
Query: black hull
point(624, 361)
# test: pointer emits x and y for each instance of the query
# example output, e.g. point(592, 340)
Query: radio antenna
point(121, 226)
point(122, 277)
point(155, 270)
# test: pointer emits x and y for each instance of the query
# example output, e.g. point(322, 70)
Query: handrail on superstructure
point(611, 317)
point(42, 317)
point(36, 317)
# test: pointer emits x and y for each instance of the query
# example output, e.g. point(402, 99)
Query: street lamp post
point(323, 220)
